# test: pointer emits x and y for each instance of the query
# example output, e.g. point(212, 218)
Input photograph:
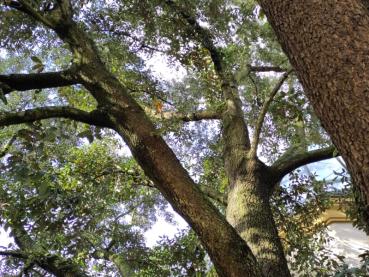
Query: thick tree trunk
point(327, 42)
point(248, 210)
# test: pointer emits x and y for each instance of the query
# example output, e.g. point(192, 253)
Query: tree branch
point(255, 68)
point(186, 117)
point(26, 7)
point(158, 161)
point(204, 36)
point(264, 110)
point(235, 132)
point(214, 194)
point(51, 18)
point(15, 254)
point(22, 82)
point(95, 117)
point(294, 158)
point(8, 145)
point(65, 8)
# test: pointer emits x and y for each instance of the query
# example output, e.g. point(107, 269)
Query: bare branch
point(8, 145)
point(294, 158)
point(22, 82)
point(15, 254)
point(142, 44)
point(95, 117)
point(186, 117)
point(264, 110)
point(341, 162)
point(254, 68)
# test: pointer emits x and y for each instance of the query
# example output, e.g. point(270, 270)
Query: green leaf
point(87, 134)
point(44, 190)
point(36, 60)
point(37, 66)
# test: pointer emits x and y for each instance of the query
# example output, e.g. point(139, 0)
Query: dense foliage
point(73, 194)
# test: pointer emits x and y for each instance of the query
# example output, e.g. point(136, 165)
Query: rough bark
point(327, 42)
point(249, 212)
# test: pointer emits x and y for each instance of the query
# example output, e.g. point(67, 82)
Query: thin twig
point(253, 68)
point(8, 145)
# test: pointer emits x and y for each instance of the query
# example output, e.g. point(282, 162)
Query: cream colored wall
point(347, 241)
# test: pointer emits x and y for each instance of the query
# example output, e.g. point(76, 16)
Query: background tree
point(95, 73)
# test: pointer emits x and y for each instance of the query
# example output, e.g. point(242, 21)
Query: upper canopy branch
point(266, 68)
point(5, 150)
point(96, 117)
point(22, 82)
point(264, 110)
point(203, 35)
point(186, 117)
point(50, 17)
point(294, 158)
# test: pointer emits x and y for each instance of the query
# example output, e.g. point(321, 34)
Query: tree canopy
point(214, 139)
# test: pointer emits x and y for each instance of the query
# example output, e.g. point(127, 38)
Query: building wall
point(347, 241)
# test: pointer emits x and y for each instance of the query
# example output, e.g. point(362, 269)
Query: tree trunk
point(228, 251)
point(248, 210)
point(327, 42)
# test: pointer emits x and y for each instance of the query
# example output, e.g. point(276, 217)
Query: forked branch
point(264, 110)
